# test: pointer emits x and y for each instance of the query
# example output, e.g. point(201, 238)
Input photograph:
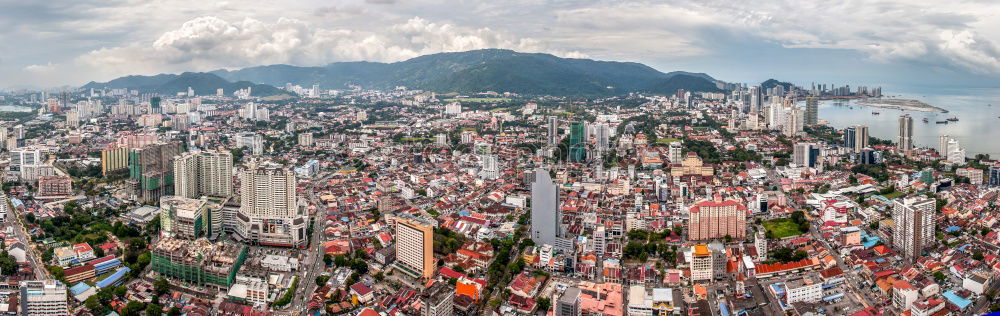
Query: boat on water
point(952, 119)
point(875, 113)
point(942, 122)
point(926, 120)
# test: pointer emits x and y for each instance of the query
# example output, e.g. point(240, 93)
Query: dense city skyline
point(483, 158)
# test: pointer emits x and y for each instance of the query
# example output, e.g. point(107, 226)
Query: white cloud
point(100, 39)
point(208, 43)
point(885, 30)
point(971, 50)
point(40, 68)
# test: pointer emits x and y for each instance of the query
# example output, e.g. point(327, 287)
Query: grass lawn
point(666, 140)
point(893, 195)
point(782, 227)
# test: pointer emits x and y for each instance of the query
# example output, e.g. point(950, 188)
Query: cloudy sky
point(873, 42)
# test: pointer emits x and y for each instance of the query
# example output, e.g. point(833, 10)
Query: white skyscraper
point(254, 112)
point(453, 108)
point(675, 152)
point(204, 173)
point(760, 242)
point(24, 157)
point(905, 133)
point(793, 121)
point(306, 139)
point(756, 99)
point(805, 154)
point(956, 154)
point(943, 145)
point(269, 211)
point(72, 118)
point(489, 167)
point(45, 297)
point(545, 215)
point(603, 135)
point(251, 141)
point(913, 225)
point(775, 116)
point(552, 129)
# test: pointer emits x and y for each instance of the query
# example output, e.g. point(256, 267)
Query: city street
point(313, 264)
point(33, 256)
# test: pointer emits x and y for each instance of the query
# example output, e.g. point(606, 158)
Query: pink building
point(608, 302)
point(716, 219)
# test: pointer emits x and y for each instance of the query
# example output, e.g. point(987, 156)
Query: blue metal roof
point(957, 300)
point(833, 297)
point(114, 278)
point(723, 309)
point(112, 262)
point(79, 288)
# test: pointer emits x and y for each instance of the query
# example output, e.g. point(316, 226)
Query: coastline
point(901, 104)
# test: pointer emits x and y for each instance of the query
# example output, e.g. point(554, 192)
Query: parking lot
point(846, 304)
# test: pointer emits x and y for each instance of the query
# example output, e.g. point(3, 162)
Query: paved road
point(850, 275)
point(34, 257)
point(313, 264)
point(983, 303)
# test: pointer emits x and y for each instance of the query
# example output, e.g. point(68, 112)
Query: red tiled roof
point(361, 288)
point(777, 267)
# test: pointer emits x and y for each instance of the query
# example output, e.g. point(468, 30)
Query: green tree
point(939, 276)
point(57, 272)
point(544, 303)
point(8, 264)
point(93, 304)
point(133, 308)
point(154, 310)
point(322, 279)
point(161, 286)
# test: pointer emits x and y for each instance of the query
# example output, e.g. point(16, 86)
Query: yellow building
point(113, 159)
point(415, 247)
point(691, 166)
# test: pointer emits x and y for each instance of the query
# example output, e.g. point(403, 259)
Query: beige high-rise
point(204, 173)
point(415, 247)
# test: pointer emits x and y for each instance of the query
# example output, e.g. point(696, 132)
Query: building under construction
point(199, 261)
point(151, 170)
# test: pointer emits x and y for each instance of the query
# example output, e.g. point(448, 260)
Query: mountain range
point(771, 83)
point(474, 71)
point(203, 83)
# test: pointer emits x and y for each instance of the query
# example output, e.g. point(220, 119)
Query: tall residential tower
point(545, 215)
point(913, 225)
point(905, 133)
point(204, 173)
